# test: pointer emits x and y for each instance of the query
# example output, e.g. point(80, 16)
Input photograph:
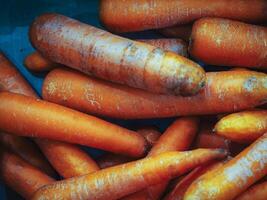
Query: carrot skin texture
point(150, 133)
point(115, 182)
point(21, 176)
point(256, 192)
point(38, 63)
point(178, 137)
point(182, 31)
point(234, 177)
point(36, 118)
point(229, 43)
point(75, 90)
point(243, 127)
point(137, 15)
point(107, 56)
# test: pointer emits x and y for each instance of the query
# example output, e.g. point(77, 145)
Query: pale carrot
point(234, 177)
point(256, 192)
point(26, 116)
point(116, 182)
point(137, 15)
point(225, 92)
point(181, 31)
point(243, 127)
point(225, 42)
point(107, 56)
point(21, 176)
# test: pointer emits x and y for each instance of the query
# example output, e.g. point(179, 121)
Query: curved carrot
point(178, 137)
point(36, 62)
point(245, 89)
point(243, 127)
point(21, 176)
point(181, 31)
point(110, 160)
point(25, 116)
point(150, 133)
point(229, 43)
point(107, 56)
point(256, 192)
point(234, 177)
point(137, 15)
point(115, 182)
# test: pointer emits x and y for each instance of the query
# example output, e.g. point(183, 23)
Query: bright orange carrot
point(25, 116)
point(110, 160)
point(136, 15)
point(74, 162)
point(115, 182)
point(234, 177)
point(36, 62)
point(178, 137)
point(181, 31)
point(229, 43)
point(150, 133)
point(21, 176)
point(256, 192)
point(224, 92)
point(107, 56)
point(243, 127)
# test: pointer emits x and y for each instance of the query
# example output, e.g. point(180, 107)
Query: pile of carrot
point(215, 148)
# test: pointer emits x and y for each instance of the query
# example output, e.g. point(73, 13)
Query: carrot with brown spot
point(243, 127)
point(225, 92)
point(229, 43)
point(181, 31)
point(234, 177)
point(107, 56)
point(137, 15)
point(256, 192)
point(116, 182)
point(150, 133)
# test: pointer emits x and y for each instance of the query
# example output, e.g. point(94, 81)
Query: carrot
point(25, 116)
point(178, 137)
point(256, 192)
point(107, 56)
point(224, 92)
point(116, 182)
point(74, 162)
point(26, 150)
point(21, 176)
point(243, 127)
point(67, 158)
point(37, 63)
point(110, 160)
point(177, 46)
point(234, 177)
point(137, 15)
point(181, 31)
point(229, 43)
point(150, 133)
point(211, 140)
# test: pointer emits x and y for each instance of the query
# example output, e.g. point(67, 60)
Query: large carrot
point(25, 116)
point(256, 192)
point(136, 15)
point(229, 43)
point(182, 31)
point(115, 182)
point(21, 176)
point(74, 162)
point(178, 137)
point(234, 177)
point(102, 54)
point(244, 127)
point(224, 92)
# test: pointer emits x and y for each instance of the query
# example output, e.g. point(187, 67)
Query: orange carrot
point(178, 137)
point(21, 176)
point(107, 56)
point(224, 92)
point(243, 127)
point(150, 133)
point(256, 192)
point(229, 43)
point(25, 116)
point(115, 182)
point(37, 63)
point(137, 15)
point(182, 31)
point(211, 140)
point(26, 150)
point(110, 160)
point(234, 177)
point(74, 162)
